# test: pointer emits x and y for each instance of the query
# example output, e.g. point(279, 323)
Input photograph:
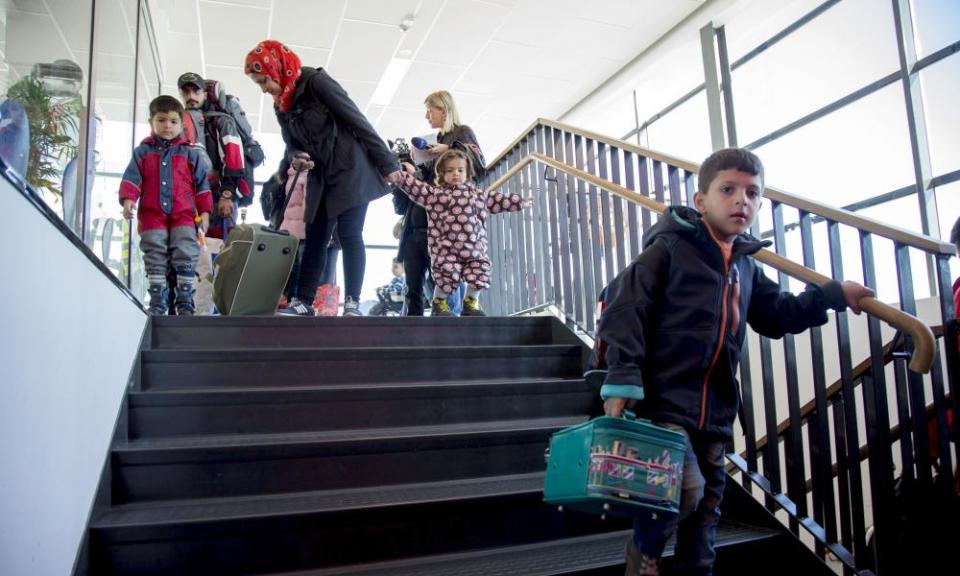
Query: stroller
point(390, 298)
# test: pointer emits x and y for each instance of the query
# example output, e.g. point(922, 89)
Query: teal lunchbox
point(618, 466)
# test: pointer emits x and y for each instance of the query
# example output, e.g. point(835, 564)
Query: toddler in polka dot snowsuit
point(456, 228)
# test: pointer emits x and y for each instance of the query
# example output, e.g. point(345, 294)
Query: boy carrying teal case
point(617, 466)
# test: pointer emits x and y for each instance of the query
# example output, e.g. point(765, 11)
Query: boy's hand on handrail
point(128, 209)
point(853, 292)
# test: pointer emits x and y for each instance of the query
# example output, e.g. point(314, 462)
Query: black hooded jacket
point(673, 322)
point(351, 158)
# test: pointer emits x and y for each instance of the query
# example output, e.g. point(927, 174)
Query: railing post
point(563, 223)
point(597, 221)
point(572, 148)
point(793, 447)
point(848, 437)
point(496, 296)
point(917, 423)
point(878, 431)
point(556, 249)
point(821, 457)
point(608, 230)
point(541, 216)
point(633, 225)
point(618, 216)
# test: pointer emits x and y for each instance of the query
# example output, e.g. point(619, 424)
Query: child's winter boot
point(471, 307)
point(185, 290)
point(158, 299)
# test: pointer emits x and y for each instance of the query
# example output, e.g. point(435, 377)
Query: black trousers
point(416, 265)
point(349, 226)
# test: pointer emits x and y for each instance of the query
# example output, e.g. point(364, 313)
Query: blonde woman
point(442, 115)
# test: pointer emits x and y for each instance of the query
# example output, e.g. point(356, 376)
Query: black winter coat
point(669, 330)
point(350, 157)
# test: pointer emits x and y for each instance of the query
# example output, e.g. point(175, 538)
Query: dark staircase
point(366, 446)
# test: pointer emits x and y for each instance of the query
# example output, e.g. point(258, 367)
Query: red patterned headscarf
point(279, 63)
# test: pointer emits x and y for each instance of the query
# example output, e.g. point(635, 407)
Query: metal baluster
point(556, 248)
point(878, 428)
point(850, 455)
point(918, 402)
point(586, 216)
point(541, 216)
point(821, 457)
point(563, 223)
point(619, 236)
point(512, 231)
point(606, 216)
point(573, 148)
point(495, 245)
point(633, 230)
point(673, 178)
point(599, 219)
point(793, 446)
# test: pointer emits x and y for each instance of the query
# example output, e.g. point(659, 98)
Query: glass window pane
point(818, 64)
point(748, 25)
point(43, 76)
point(684, 132)
point(855, 153)
point(666, 80)
point(902, 213)
point(941, 84)
point(935, 24)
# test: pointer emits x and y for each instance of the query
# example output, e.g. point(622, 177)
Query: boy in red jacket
point(168, 177)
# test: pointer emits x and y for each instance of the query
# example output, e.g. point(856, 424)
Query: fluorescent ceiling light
point(390, 81)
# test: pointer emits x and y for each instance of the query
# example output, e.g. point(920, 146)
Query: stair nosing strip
point(534, 478)
point(357, 435)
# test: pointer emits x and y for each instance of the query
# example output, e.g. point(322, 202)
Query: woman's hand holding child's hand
point(128, 209)
point(394, 176)
point(409, 168)
point(853, 292)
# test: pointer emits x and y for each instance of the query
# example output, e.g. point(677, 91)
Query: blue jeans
point(696, 525)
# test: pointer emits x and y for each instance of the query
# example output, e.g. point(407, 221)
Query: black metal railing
point(593, 199)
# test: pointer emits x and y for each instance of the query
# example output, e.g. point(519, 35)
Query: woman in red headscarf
point(349, 165)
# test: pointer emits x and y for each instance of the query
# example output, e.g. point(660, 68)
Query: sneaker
point(351, 307)
point(639, 564)
point(471, 307)
point(440, 308)
point(297, 308)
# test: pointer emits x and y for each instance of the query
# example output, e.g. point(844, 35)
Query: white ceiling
point(505, 61)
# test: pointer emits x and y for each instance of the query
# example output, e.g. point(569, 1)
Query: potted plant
point(53, 129)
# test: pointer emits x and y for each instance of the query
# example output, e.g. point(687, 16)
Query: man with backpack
point(220, 126)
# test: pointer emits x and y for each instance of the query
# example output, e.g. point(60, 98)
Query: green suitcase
point(617, 466)
point(252, 270)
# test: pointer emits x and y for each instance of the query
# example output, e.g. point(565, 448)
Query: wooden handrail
point(903, 236)
point(920, 333)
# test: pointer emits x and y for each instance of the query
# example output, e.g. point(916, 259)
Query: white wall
point(68, 340)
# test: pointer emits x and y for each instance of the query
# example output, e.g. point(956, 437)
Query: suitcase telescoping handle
point(286, 200)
